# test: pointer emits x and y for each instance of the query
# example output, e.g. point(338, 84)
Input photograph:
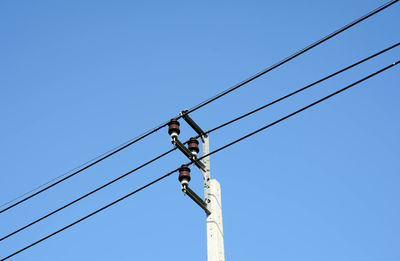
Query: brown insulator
point(193, 145)
point(173, 125)
point(184, 173)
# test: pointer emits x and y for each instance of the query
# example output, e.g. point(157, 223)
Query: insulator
point(173, 125)
point(193, 145)
point(184, 173)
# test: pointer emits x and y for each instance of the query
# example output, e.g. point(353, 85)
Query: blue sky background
point(79, 77)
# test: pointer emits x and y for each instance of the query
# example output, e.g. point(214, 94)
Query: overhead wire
point(304, 108)
point(200, 105)
point(207, 132)
point(85, 195)
point(304, 88)
point(296, 54)
point(89, 215)
point(84, 168)
point(207, 155)
point(107, 153)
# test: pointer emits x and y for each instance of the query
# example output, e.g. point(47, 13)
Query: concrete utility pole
point(212, 189)
point(212, 195)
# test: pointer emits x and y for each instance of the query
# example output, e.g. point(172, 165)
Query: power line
point(291, 57)
point(86, 167)
point(91, 214)
point(207, 132)
point(128, 143)
point(302, 109)
point(202, 104)
point(304, 88)
point(86, 195)
point(213, 152)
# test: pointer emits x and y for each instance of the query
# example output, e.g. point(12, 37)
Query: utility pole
point(212, 195)
point(212, 189)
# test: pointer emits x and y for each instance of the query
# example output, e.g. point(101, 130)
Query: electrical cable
point(291, 57)
point(86, 167)
point(91, 214)
point(304, 88)
point(207, 155)
point(302, 109)
point(86, 195)
point(207, 132)
point(202, 104)
point(80, 166)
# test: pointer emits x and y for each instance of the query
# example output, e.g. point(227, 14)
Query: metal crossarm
point(193, 124)
point(188, 154)
point(198, 200)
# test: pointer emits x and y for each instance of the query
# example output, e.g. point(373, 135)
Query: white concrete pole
point(212, 196)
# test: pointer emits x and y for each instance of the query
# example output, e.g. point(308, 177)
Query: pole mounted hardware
point(196, 199)
point(173, 129)
point(190, 152)
point(212, 189)
point(193, 146)
point(193, 124)
point(184, 178)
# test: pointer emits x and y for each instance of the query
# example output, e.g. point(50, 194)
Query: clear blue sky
point(79, 77)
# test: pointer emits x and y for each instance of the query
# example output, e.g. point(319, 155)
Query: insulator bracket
point(182, 148)
point(189, 154)
point(193, 124)
point(196, 198)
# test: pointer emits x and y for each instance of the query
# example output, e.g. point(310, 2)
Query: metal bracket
point(193, 124)
point(196, 198)
point(188, 154)
point(182, 148)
